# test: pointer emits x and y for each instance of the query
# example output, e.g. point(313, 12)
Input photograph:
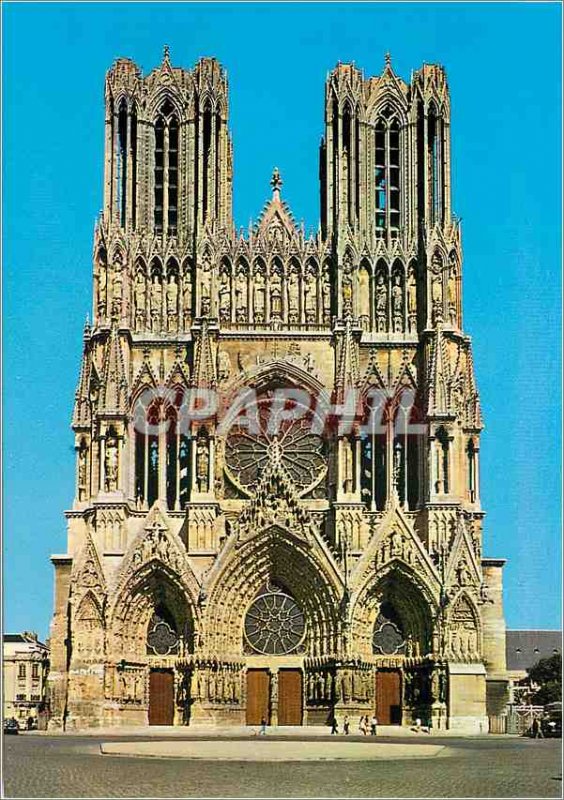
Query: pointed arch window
point(373, 454)
point(388, 175)
point(122, 162)
point(166, 173)
point(435, 165)
point(442, 469)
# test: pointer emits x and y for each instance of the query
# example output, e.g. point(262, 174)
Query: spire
point(347, 376)
point(81, 412)
point(204, 363)
point(114, 381)
point(166, 55)
point(388, 59)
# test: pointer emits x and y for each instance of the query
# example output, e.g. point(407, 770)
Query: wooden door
point(290, 690)
point(161, 697)
point(258, 696)
point(388, 696)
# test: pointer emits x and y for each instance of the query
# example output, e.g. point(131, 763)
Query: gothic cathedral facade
point(277, 506)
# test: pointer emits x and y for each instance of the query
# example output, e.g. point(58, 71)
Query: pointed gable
point(114, 391)
point(204, 376)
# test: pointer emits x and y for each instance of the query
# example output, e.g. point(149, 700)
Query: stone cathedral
point(277, 504)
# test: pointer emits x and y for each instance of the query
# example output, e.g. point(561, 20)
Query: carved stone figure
point(172, 302)
point(397, 303)
point(111, 463)
point(241, 287)
point(156, 302)
point(259, 296)
point(187, 300)
point(348, 465)
point(451, 296)
point(102, 290)
point(381, 303)
point(275, 293)
point(202, 463)
point(117, 290)
point(310, 296)
point(140, 300)
point(223, 365)
point(82, 472)
point(293, 296)
point(224, 297)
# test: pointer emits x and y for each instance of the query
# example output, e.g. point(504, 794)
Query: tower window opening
point(133, 148)
point(387, 177)
point(172, 176)
point(206, 143)
point(434, 128)
point(122, 162)
point(159, 174)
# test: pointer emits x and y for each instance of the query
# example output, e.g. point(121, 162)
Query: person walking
point(262, 731)
point(373, 724)
point(537, 730)
point(363, 725)
point(346, 725)
point(334, 725)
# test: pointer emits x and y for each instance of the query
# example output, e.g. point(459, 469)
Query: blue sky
point(503, 65)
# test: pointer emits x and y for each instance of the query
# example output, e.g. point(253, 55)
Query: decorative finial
point(276, 182)
point(166, 53)
point(388, 59)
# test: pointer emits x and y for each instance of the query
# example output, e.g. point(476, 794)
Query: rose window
point(274, 624)
point(264, 435)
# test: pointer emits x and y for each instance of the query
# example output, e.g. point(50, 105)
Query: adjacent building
point(26, 662)
point(277, 504)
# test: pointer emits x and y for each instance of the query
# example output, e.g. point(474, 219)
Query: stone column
point(274, 696)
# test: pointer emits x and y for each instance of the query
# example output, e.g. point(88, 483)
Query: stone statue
point(241, 295)
point(275, 293)
point(156, 302)
point(223, 365)
point(187, 300)
point(381, 303)
point(348, 466)
point(397, 303)
point(117, 289)
point(293, 296)
point(202, 464)
point(102, 290)
point(224, 297)
point(310, 297)
point(326, 297)
point(172, 302)
point(82, 472)
point(140, 299)
point(259, 296)
point(451, 296)
point(437, 298)
point(111, 464)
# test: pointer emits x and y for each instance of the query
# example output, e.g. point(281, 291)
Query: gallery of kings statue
point(277, 504)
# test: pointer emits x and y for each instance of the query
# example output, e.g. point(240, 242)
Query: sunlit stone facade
point(227, 572)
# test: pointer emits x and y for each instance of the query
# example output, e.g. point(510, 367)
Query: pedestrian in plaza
point(334, 725)
point(418, 725)
point(537, 730)
point(373, 724)
point(346, 725)
point(262, 731)
point(363, 725)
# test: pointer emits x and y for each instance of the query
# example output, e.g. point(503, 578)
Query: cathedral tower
point(277, 508)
